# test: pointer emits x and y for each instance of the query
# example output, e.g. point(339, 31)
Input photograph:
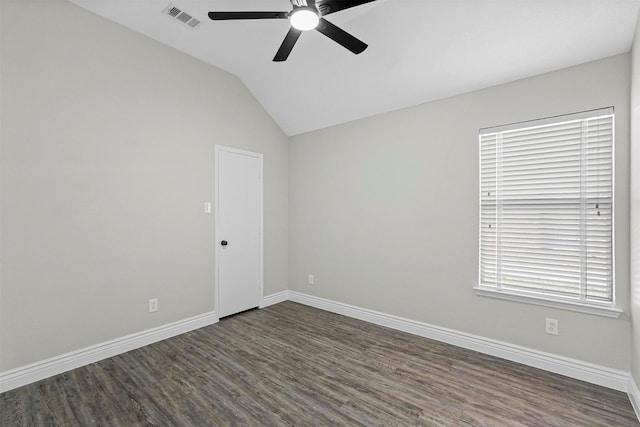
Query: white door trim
point(219, 148)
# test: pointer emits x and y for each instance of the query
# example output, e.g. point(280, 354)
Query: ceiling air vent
point(181, 16)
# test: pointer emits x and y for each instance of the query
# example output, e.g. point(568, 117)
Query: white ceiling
point(419, 50)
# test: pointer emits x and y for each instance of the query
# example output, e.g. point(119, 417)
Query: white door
point(238, 230)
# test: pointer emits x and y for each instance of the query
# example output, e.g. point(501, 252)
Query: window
point(546, 212)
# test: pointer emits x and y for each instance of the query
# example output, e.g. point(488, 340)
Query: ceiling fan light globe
point(304, 19)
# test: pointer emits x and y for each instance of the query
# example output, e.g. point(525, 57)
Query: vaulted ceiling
point(419, 50)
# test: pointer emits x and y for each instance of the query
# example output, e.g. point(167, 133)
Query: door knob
point(224, 243)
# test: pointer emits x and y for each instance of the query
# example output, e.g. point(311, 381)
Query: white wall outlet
point(153, 305)
point(207, 207)
point(310, 281)
point(551, 326)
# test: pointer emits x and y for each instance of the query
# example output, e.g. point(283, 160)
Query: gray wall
point(384, 212)
point(107, 156)
point(635, 207)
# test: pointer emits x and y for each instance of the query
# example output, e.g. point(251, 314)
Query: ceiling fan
point(305, 15)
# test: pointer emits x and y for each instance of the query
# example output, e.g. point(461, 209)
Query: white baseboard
point(274, 299)
point(634, 396)
point(595, 374)
point(38, 371)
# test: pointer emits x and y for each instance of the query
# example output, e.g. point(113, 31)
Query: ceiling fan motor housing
point(304, 3)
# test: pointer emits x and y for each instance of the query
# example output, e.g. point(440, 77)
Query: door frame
point(259, 156)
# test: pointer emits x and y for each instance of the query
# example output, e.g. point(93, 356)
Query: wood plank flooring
point(294, 365)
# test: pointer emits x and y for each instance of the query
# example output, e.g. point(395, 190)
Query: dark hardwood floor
point(294, 365)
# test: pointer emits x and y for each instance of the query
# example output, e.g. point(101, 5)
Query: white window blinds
point(546, 208)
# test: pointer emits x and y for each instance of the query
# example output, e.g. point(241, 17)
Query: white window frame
point(495, 290)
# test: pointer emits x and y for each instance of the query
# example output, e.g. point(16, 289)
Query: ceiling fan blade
point(223, 16)
point(331, 6)
point(287, 45)
point(341, 37)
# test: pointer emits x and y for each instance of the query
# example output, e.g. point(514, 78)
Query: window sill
point(597, 310)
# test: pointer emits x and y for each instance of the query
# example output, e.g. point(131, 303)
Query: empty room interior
point(399, 212)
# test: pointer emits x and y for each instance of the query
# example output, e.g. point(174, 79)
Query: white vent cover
point(181, 16)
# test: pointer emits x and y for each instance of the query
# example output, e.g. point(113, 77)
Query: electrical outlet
point(153, 305)
point(310, 279)
point(551, 326)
